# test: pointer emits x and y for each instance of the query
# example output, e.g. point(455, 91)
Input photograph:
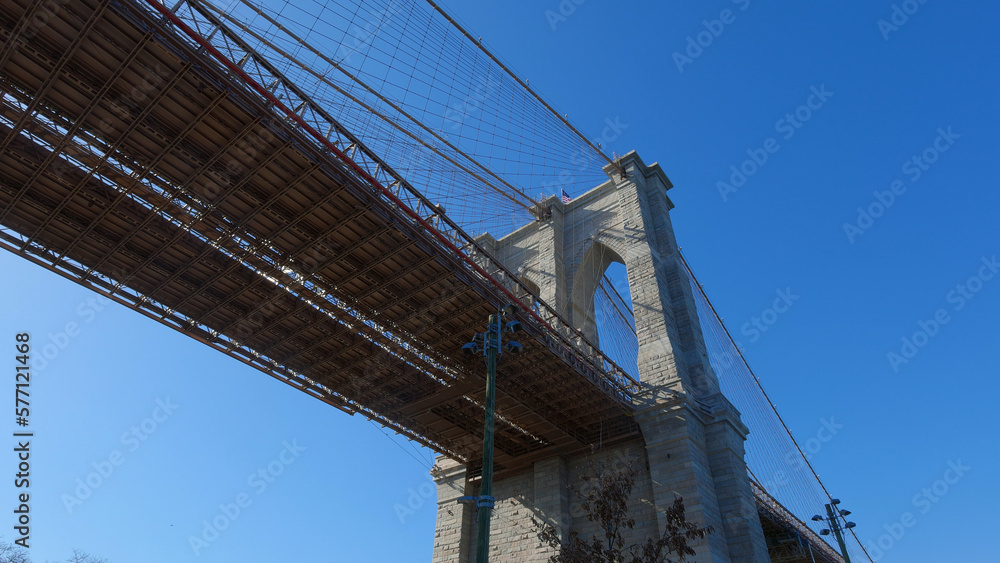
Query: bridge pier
point(691, 442)
point(685, 451)
point(373, 254)
point(695, 451)
point(455, 521)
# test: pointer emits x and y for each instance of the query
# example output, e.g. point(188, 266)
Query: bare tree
point(83, 557)
point(606, 502)
point(10, 553)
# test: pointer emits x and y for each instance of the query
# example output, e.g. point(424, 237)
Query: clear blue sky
point(827, 356)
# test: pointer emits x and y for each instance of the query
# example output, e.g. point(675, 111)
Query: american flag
point(565, 197)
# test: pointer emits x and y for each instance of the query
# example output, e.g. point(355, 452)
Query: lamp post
point(492, 346)
point(834, 516)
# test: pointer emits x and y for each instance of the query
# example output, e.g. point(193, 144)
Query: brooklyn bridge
point(344, 215)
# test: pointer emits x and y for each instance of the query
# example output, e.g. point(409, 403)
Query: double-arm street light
point(490, 342)
point(833, 518)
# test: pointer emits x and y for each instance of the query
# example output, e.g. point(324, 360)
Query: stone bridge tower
point(692, 436)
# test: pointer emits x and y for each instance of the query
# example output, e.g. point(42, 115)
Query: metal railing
point(291, 103)
point(781, 515)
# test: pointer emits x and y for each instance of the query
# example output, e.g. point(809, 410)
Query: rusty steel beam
point(330, 240)
point(53, 75)
point(71, 132)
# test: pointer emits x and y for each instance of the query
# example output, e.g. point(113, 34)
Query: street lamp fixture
point(834, 517)
point(490, 342)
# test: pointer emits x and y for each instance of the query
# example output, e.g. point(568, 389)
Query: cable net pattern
point(429, 100)
point(450, 118)
point(616, 324)
point(774, 459)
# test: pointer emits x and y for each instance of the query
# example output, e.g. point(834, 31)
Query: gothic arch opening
point(615, 319)
point(602, 306)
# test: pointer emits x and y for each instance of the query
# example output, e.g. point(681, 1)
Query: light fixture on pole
point(491, 344)
point(833, 518)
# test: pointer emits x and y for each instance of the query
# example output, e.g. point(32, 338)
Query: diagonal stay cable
point(522, 83)
point(393, 105)
point(761, 388)
point(619, 385)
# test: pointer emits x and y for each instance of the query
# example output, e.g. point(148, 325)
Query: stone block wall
point(692, 437)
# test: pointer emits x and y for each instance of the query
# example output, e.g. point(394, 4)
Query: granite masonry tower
point(691, 442)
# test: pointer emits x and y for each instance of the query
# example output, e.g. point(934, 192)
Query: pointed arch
point(597, 256)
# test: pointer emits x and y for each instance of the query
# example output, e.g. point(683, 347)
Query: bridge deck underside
point(789, 539)
point(135, 165)
point(786, 545)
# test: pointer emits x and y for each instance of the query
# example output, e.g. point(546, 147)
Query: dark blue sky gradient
point(827, 356)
